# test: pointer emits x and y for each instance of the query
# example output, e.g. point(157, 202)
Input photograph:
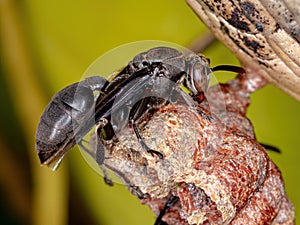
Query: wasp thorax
point(170, 59)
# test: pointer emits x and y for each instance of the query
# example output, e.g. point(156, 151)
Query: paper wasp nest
point(220, 173)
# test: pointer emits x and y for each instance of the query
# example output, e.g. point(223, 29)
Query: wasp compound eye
point(200, 76)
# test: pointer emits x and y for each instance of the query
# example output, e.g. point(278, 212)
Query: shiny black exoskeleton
point(73, 111)
point(64, 116)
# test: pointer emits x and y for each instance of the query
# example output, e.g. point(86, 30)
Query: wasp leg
point(108, 181)
point(100, 156)
point(136, 191)
point(143, 144)
point(270, 147)
point(171, 201)
point(138, 110)
point(99, 146)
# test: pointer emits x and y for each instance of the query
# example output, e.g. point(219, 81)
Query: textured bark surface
point(212, 162)
point(263, 34)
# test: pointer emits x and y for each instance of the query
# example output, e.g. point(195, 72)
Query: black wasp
point(148, 81)
point(73, 111)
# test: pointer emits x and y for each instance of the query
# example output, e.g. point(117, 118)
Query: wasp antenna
point(230, 68)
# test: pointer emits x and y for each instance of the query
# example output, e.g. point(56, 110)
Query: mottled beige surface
point(264, 35)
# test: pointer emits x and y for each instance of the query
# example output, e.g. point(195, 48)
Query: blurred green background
point(46, 45)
